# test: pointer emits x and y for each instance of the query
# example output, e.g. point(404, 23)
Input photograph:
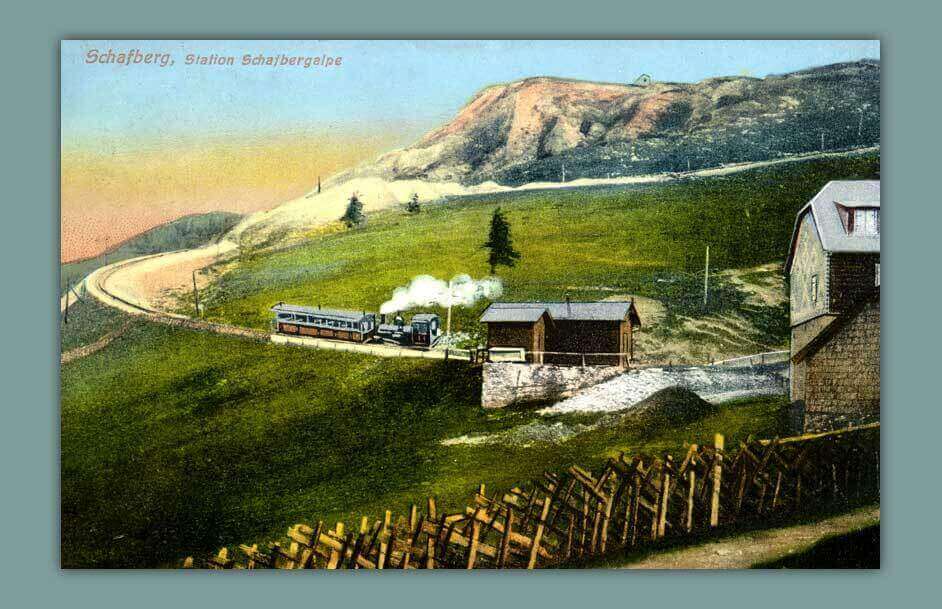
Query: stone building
point(833, 267)
point(565, 333)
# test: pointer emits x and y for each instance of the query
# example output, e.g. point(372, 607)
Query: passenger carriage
point(336, 324)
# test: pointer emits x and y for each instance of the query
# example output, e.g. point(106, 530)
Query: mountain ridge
point(555, 129)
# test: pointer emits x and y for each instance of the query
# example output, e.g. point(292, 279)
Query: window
point(866, 222)
point(814, 289)
point(863, 221)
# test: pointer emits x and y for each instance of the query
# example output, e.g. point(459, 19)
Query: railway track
point(97, 286)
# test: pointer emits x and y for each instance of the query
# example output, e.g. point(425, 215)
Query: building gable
point(809, 273)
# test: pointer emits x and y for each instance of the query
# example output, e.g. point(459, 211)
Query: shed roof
point(513, 312)
point(827, 220)
point(529, 312)
point(337, 314)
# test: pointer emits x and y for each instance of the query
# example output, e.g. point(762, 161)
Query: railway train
point(423, 330)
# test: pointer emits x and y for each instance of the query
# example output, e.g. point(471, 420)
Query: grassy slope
point(175, 442)
point(182, 233)
point(592, 243)
point(89, 320)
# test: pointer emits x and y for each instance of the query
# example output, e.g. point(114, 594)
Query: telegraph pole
point(448, 322)
point(706, 279)
point(196, 295)
point(68, 289)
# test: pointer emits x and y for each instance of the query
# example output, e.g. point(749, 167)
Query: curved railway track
point(97, 287)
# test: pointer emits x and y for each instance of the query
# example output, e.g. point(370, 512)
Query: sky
point(143, 144)
point(416, 84)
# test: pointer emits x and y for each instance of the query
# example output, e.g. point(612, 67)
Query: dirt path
point(745, 551)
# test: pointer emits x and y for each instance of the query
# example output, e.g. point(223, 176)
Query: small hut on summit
point(565, 333)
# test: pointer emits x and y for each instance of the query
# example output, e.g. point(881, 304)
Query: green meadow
point(177, 442)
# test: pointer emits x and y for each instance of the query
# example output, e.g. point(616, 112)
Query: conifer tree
point(499, 243)
point(354, 215)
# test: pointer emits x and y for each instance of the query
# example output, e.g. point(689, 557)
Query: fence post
point(430, 543)
point(718, 442)
point(504, 556)
point(538, 535)
point(691, 490)
point(665, 497)
point(635, 504)
point(336, 556)
point(473, 545)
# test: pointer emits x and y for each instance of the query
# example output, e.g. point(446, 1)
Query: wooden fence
point(578, 514)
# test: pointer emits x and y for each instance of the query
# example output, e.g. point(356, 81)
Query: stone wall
point(841, 382)
point(512, 383)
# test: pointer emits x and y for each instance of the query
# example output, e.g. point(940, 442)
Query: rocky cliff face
point(544, 128)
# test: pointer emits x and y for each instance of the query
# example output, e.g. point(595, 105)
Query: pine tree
point(501, 247)
point(354, 215)
point(413, 206)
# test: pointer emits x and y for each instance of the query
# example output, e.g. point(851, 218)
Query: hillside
point(174, 441)
point(593, 243)
point(537, 128)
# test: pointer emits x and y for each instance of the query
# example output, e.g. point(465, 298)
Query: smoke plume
point(425, 290)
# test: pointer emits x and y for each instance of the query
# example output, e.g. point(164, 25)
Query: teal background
point(29, 255)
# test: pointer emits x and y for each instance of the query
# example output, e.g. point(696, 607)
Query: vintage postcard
point(470, 304)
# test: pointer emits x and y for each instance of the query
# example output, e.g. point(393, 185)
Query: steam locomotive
point(423, 330)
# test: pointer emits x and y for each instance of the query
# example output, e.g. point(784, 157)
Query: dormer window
point(860, 220)
point(866, 221)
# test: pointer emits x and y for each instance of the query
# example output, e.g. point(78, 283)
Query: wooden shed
point(565, 333)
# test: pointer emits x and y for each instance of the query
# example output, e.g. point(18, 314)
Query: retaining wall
point(513, 383)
